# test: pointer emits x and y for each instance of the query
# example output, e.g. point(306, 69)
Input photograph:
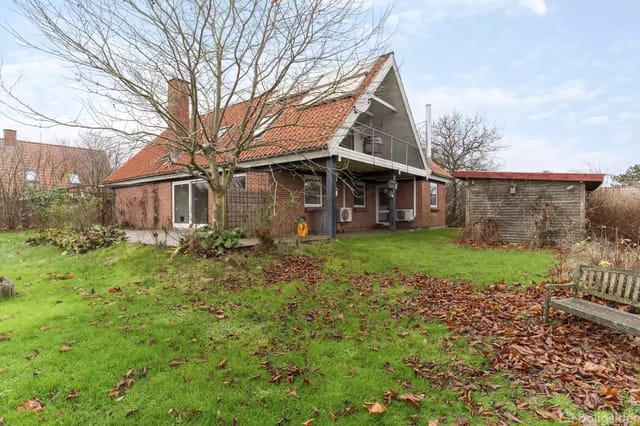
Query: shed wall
point(539, 212)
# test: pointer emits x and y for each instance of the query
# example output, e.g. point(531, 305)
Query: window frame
point(190, 223)
point(238, 175)
point(363, 197)
point(73, 181)
point(28, 172)
point(304, 190)
point(432, 194)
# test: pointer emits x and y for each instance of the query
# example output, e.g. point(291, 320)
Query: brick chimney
point(178, 100)
point(10, 137)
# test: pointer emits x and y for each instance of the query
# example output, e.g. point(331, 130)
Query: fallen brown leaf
point(114, 290)
point(72, 395)
point(65, 348)
point(222, 364)
point(412, 398)
point(32, 355)
point(374, 407)
point(35, 405)
point(308, 422)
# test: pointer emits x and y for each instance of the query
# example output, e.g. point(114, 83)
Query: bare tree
point(463, 143)
point(214, 53)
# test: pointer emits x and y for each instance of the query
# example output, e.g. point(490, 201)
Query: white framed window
point(239, 181)
point(190, 203)
point(74, 178)
point(266, 122)
point(434, 195)
point(30, 176)
point(312, 191)
point(360, 195)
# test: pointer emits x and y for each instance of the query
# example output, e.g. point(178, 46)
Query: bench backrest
point(617, 285)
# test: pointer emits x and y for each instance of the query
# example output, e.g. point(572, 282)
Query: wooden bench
point(614, 285)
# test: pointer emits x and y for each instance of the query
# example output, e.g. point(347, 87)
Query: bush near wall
point(615, 213)
point(56, 207)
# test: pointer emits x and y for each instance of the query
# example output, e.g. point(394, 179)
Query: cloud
point(595, 120)
point(437, 10)
point(472, 99)
point(537, 154)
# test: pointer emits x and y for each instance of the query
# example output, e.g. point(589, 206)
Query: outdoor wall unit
point(404, 215)
point(345, 214)
point(372, 145)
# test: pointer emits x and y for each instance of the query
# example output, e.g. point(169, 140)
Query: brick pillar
point(10, 137)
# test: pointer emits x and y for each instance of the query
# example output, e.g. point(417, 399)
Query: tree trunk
point(220, 209)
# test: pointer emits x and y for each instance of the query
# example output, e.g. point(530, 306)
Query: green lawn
point(210, 342)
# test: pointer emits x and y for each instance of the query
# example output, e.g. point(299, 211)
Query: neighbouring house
point(352, 161)
point(532, 208)
point(25, 163)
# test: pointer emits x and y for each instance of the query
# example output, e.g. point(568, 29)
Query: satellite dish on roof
point(362, 105)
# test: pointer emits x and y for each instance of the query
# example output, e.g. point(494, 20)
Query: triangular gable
point(389, 66)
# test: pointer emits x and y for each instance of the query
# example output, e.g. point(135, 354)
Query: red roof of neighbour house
point(438, 170)
point(52, 162)
point(297, 129)
point(594, 178)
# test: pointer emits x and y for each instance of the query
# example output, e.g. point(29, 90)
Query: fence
point(246, 209)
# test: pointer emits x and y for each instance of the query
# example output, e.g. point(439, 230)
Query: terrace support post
point(330, 217)
point(393, 185)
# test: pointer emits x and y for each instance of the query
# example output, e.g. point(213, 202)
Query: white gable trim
point(342, 131)
point(414, 129)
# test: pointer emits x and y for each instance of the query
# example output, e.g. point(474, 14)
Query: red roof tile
point(297, 129)
point(438, 170)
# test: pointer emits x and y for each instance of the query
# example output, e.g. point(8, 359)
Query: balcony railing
point(378, 144)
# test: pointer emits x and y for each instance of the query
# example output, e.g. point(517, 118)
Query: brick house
point(352, 161)
point(24, 163)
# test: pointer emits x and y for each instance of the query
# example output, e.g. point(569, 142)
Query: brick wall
point(144, 206)
point(150, 206)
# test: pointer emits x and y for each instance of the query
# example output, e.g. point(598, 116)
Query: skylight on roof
point(266, 122)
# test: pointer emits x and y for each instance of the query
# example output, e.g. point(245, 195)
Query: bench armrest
point(549, 289)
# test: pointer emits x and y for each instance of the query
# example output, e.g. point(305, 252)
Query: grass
point(342, 342)
point(434, 253)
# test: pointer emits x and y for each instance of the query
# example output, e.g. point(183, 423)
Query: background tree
point(630, 177)
point(124, 52)
point(462, 142)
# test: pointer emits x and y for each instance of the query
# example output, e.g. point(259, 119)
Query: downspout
point(414, 198)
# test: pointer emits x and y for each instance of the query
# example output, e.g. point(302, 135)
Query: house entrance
point(190, 204)
point(383, 204)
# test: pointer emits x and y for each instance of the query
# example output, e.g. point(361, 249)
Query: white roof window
point(266, 122)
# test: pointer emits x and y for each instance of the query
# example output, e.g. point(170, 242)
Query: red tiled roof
point(297, 129)
point(438, 170)
point(51, 162)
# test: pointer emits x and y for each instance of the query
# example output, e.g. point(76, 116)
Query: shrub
point(55, 207)
point(74, 241)
point(615, 213)
point(210, 241)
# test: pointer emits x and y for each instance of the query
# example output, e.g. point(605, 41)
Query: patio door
point(383, 204)
point(190, 204)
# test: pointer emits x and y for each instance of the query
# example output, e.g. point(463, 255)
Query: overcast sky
point(560, 78)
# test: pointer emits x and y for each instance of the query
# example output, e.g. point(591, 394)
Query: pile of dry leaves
point(304, 268)
point(594, 366)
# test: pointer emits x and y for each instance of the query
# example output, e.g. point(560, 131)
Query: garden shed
point(531, 208)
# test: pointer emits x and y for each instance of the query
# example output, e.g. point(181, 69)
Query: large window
point(190, 203)
point(312, 191)
point(360, 195)
point(434, 195)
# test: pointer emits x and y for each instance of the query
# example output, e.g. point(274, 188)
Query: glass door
point(190, 204)
point(382, 204)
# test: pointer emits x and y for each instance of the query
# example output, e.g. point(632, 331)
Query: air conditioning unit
point(345, 214)
point(404, 215)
